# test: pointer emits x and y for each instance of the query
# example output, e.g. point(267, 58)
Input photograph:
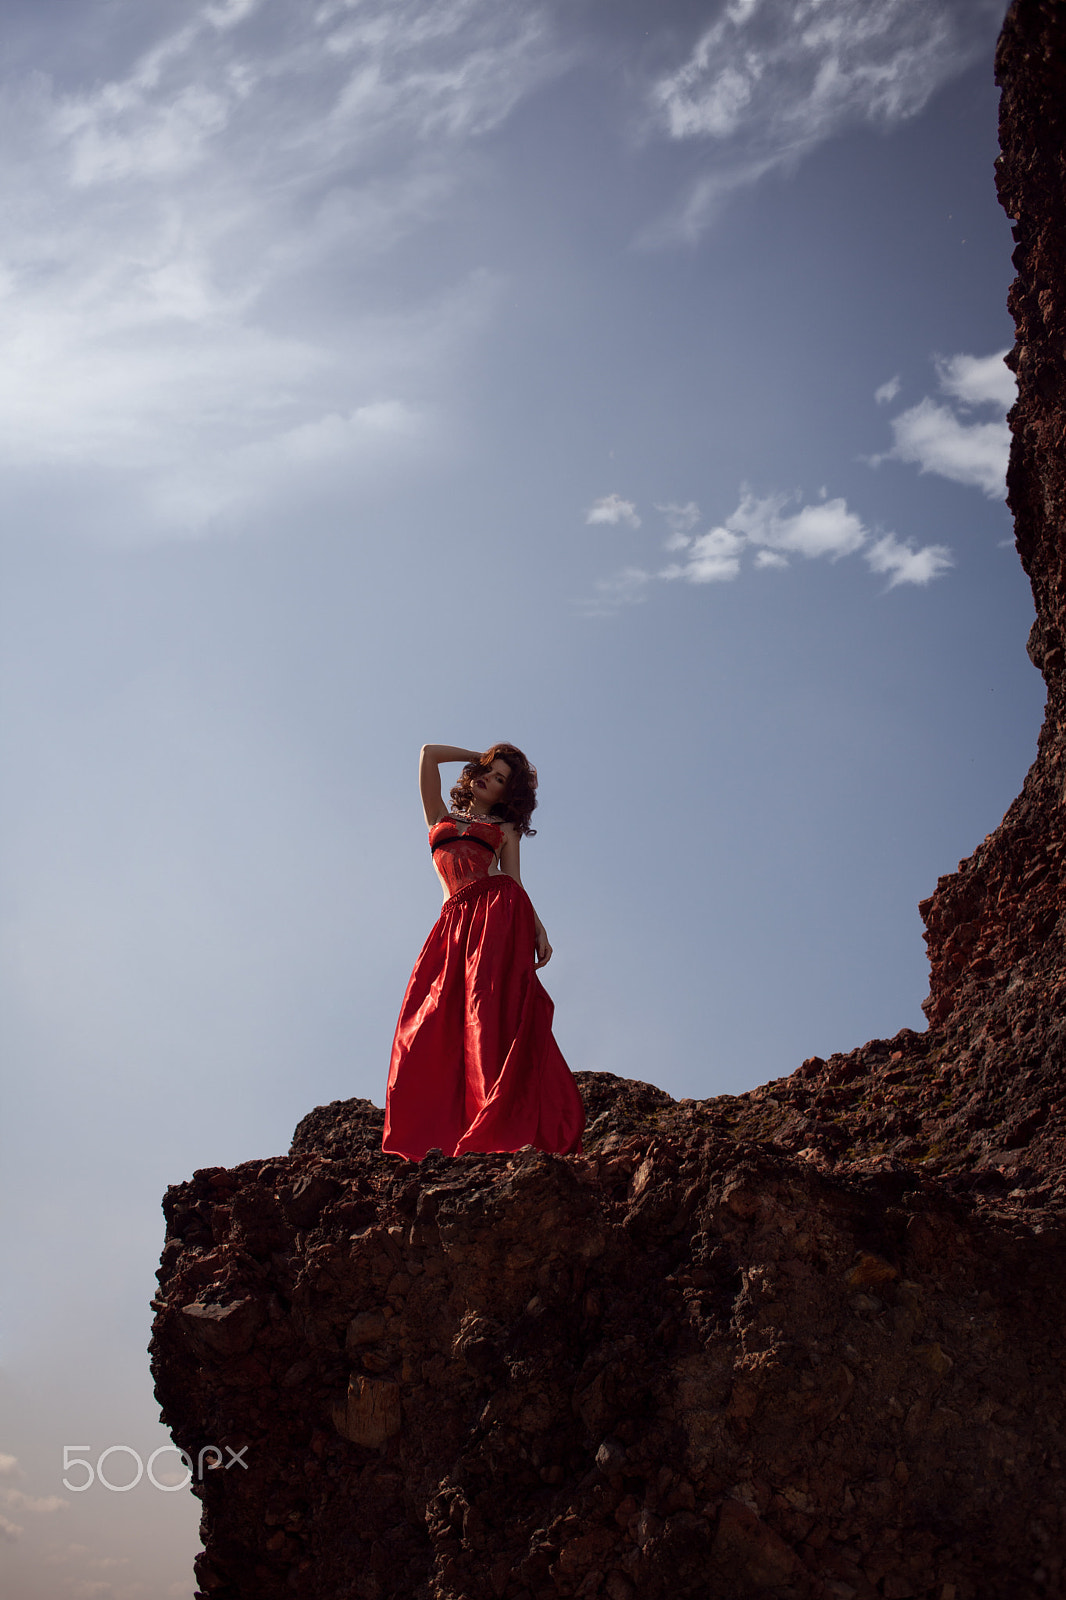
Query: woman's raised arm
point(429, 776)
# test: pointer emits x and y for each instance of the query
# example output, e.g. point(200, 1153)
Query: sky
point(623, 380)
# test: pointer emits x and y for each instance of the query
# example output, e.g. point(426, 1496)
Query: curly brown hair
point(520, 797)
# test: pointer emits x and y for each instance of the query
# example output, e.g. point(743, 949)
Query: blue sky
point(622, 380)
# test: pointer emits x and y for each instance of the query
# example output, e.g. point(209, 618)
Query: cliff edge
point(805, 1342)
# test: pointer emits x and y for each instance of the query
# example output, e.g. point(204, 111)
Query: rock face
point(807, 1342)
point(683, 1364)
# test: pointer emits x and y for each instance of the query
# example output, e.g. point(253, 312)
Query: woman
point(474, 1064)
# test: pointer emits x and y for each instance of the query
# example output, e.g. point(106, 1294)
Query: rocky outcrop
point(806, 1342)
point(680, 1365)
point(995, 932)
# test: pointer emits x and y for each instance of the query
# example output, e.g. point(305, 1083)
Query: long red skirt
point(474, 1063)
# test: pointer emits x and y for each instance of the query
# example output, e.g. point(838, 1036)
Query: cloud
point(16, 1500)
point(625, 588)
point(935, 438)
point(767, 82)
point(979, 380)
point(771, 533)
point(888, 391)
point(612, 509)
point(827, 529)
point(712, 557)
point(680, 518)
point(268, 471)
point(904, 564)
point(228, 199)
point(9, 1531)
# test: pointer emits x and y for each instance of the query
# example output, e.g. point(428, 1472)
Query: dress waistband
point(477, 886)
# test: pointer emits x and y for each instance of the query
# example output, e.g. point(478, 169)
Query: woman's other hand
point(544, 949)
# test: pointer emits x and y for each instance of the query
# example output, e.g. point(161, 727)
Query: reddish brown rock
point(684, 1364)
point(806, 1342)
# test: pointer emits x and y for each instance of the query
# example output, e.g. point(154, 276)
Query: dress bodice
point(461, 855)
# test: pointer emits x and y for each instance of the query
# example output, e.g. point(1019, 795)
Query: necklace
point(468, 817)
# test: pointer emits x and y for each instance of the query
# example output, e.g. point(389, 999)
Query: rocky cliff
point(803, 1342)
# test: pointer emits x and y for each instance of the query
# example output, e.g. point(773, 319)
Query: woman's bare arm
point(509, 852)
point(429, 776)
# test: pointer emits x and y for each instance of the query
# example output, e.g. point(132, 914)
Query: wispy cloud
point(887, 392)
point(933, 436)
point(767, 82)
point(16, 1500)
point(768, 530)
point(712, 557)
point(626, 587)
point(221, 199)
point(10, 1532)
point(680, 520)
point(611, 510)
point(13, 1499)
point(903, 564)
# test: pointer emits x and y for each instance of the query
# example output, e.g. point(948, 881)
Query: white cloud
point(933, 438)
point(131, 135)
point(9, 1467)
point(16, 1500)
point(827, 529)
point(888, 391)
point(9, 1531)
point(225, 202)
point(904, 564)
point(677, 540)
point(712, 557)
point(766, 82)
point(979, 380)
point(772, 534)
point(613, 509)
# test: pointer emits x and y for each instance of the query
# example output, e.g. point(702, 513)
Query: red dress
point(474, 1063)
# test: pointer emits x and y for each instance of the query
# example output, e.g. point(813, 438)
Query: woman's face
point(491, 786)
